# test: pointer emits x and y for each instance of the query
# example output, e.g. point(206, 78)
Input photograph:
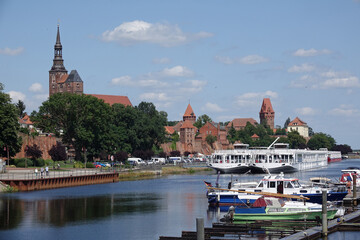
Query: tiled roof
point(266, 106)
point(241, 122)
point(74, 77)
point(187, 124)
point(189, 111)
point(169, 129)
point(112, 99)
point(63, 78)
point(297, 122)
point(255, 136)
point(25, 120)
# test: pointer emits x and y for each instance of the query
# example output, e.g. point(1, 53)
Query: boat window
point(261, 184)
point(276, 210)
point(296, 209)
point(288, 185)
point(296, 184)
point(271, 184)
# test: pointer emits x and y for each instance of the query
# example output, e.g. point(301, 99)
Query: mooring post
point(324, 214)
point(200, 235)
point(354, 191)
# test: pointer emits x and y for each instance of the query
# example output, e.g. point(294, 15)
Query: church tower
point(59, 80)
point(189, 115)
point(58, 70)
point(267, 114)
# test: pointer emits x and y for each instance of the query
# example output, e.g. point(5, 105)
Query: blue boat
point(241, 194)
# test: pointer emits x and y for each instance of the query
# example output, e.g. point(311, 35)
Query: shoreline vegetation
point(167, 170)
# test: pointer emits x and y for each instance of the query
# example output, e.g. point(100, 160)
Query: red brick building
point(240, 123)
point(267, 113)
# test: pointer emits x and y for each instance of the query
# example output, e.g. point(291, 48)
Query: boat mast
point(273, 143)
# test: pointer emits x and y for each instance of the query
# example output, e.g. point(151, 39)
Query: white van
point(175, 160)
point(135, 161)
point(158, 160)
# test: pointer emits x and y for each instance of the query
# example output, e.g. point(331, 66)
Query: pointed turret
point(267, 113)
point(189, 114)
point(58, 62)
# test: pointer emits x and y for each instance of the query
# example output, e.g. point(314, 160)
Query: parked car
point(135, 161)
point(158, 160)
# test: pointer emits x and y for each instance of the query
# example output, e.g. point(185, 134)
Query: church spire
point(58, 62)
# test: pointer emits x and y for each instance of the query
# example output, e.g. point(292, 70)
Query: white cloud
point(251, 59)
point(192, 86)
point(11, 52)
point(161, 60)
point(166, 35)
point(344, 82)
point(123, 80)
point(344, 110)
point(150, 83)
point(310, 53)
point(36, 87)
point(177, 71)
point(154, 97)
point(212, 107)
point(305, 67)
point(253, 98)
point(307, 111)
point(16, 96)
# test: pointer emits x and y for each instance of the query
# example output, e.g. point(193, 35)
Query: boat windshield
point(296, 184)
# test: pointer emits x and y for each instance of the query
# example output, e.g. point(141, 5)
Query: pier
point(24, 180)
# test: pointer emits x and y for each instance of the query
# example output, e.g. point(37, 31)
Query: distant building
point(189, 114)
point(267, 113)
point(300, 126)
point(240, 123)
point(25, 122)
point(59, 80)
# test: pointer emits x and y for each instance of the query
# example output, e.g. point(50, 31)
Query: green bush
point(39, 162)
point(78, 165)
point(90, 165)
point(21, 162)
point(49, 162)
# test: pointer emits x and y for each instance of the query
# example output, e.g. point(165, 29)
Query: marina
point(144, 209)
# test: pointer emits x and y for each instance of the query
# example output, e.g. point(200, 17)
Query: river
point(144, 209)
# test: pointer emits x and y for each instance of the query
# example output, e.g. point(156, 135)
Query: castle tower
point(189, 115)
point(59, 80)
point(267, 114)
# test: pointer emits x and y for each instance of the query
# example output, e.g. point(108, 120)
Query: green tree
point(287, 122)
point(21, 108)
point(321, 140)
point(9, 126)
point(80, 120)
point(202, 120)
point(58, 152)
point(295, 140)
point(343, 148)
point(231, 134)
point(210, 139)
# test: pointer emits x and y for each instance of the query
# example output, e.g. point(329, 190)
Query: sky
point(222, 57)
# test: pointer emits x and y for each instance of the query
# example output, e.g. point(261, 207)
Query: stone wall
point(45, 143)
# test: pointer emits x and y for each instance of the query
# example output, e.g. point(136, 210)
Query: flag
point(208, 184)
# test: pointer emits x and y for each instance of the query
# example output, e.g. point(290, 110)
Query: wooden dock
point(25, 181)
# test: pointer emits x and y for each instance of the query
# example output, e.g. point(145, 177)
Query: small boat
point(348, 176)
point(240, 194)
point(265, 208)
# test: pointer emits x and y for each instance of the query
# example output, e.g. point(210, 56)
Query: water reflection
point(64, 211)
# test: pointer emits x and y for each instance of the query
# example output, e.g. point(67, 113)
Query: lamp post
point(84, 149)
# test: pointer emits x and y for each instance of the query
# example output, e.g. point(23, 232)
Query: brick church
point(60, 81)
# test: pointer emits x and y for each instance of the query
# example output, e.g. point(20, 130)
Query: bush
point(58, 152)
point(78, 164)
point(90, 165)
point(21, 162)
point(49, 162)
point(39, 162)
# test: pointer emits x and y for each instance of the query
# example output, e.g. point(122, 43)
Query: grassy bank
point(167, 170)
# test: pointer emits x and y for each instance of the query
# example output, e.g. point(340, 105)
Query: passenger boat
point(241, 194)
point(334, 156)
point(275, 159)
point(265, 208)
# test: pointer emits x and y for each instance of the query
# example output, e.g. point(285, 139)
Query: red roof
point(255, 136)
point(189, 111)
point(112, 99)
point(187, 124)
point(266, 106)
point(169, 129)
point(25, 120)
point(297, 122)
point(241, 122)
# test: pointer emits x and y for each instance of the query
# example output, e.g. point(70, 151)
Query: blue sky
point(223, 57)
